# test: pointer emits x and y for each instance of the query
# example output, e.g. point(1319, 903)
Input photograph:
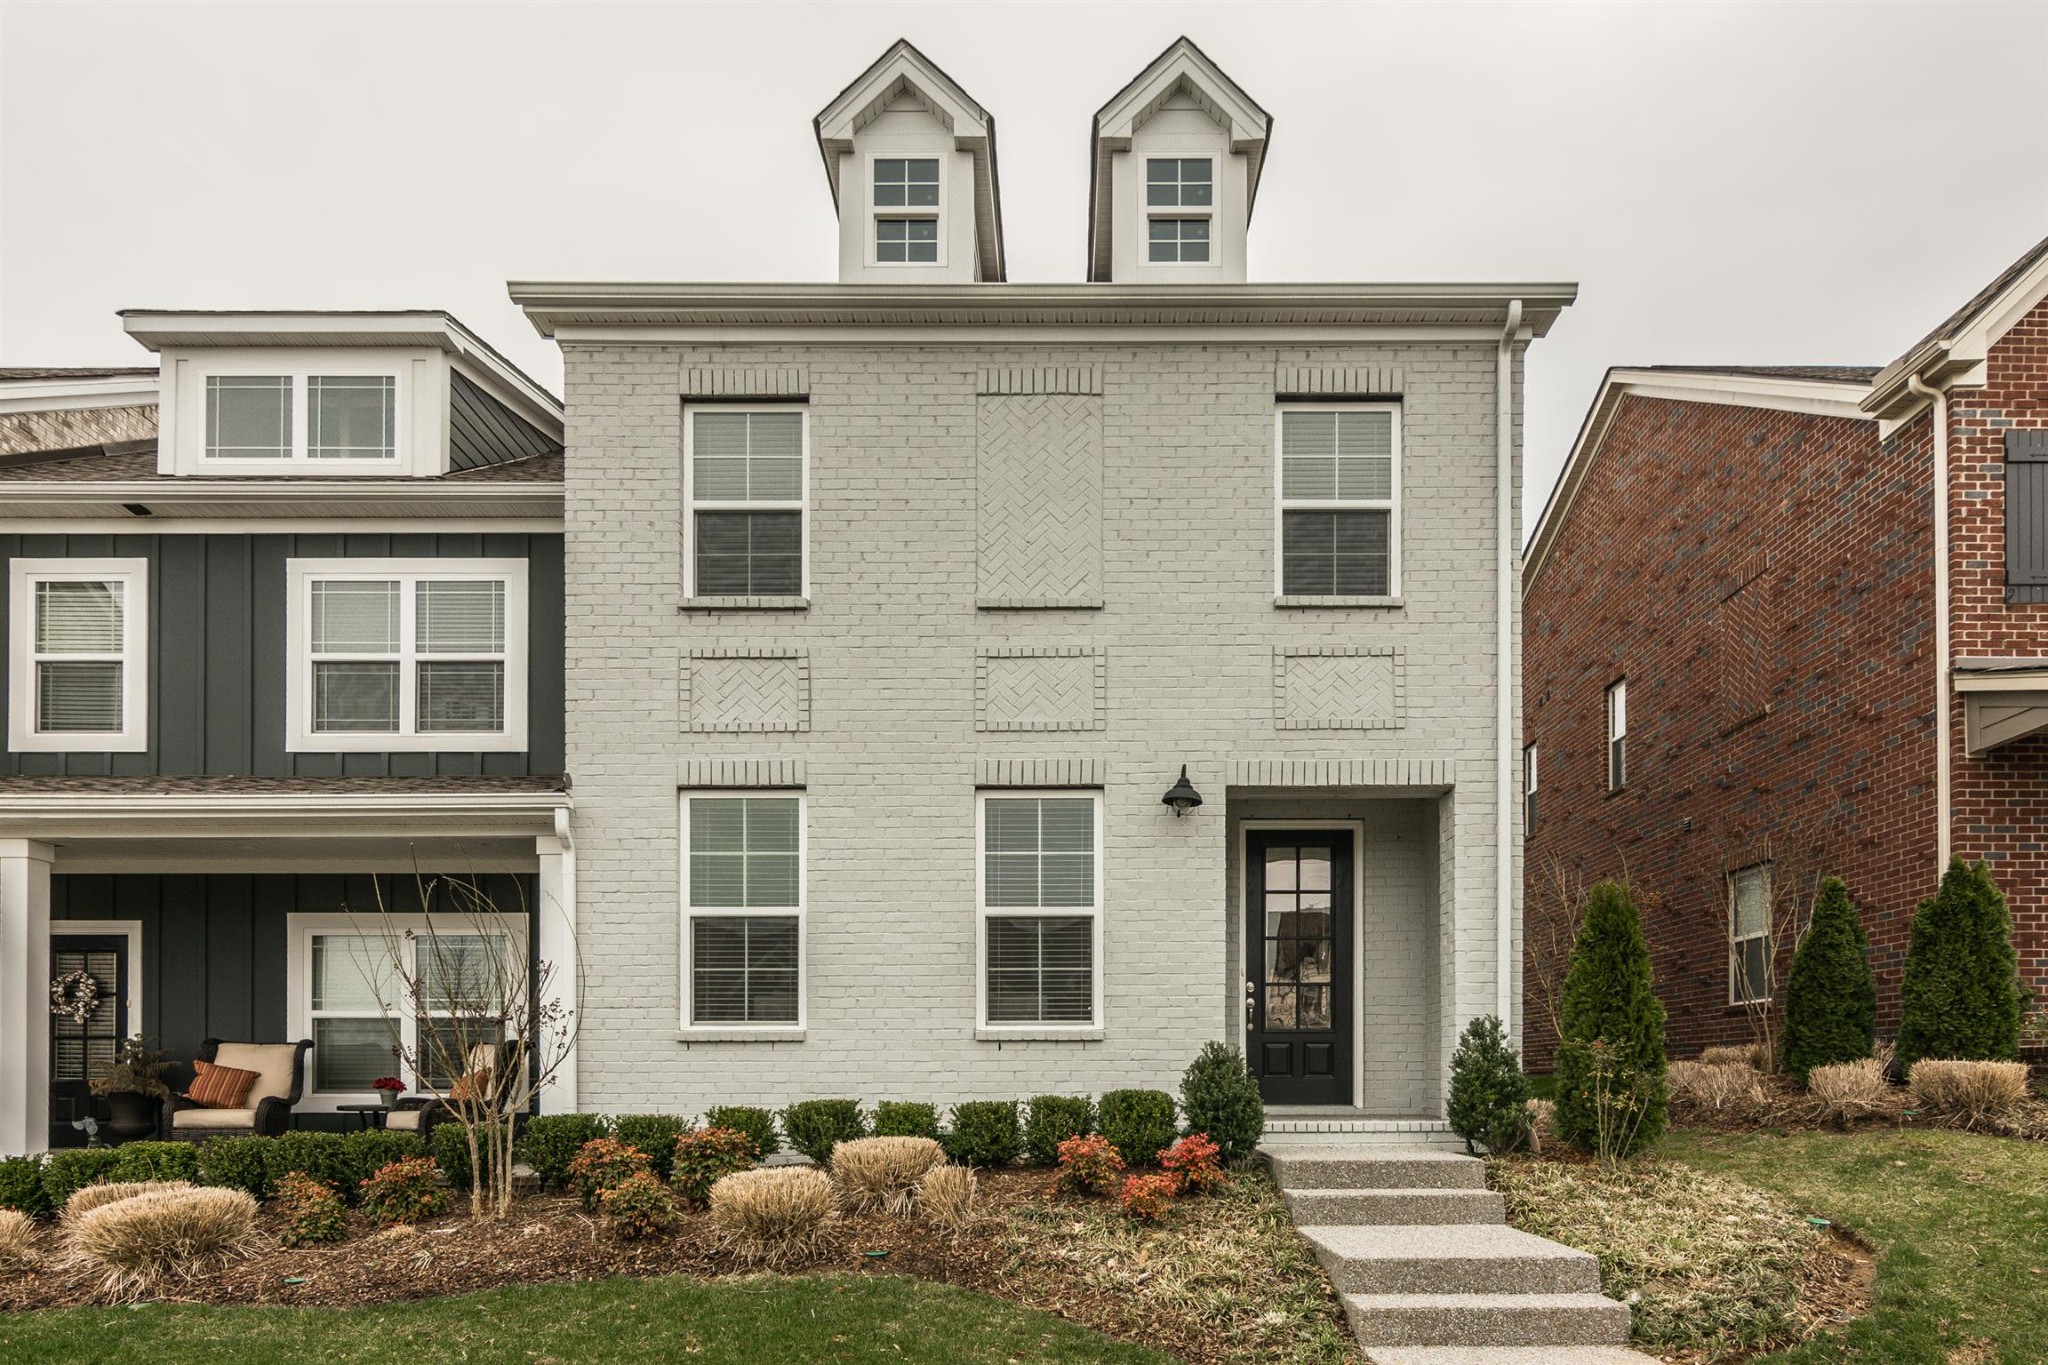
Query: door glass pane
point(1279, 869)
point(350, 1053)
point(1315, 1007)
point(1280, 1007)
point(78, 618)
point(1315, 869)
point(1315, 959)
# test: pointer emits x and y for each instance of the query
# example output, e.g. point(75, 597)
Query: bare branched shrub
point(1744, 1054)
point(1972, 1094)
point(883, 1172)
point(86, 1198)
point(946, 1196)
point(135, 1244)
point(1847, 1091)
point(1730, 1088)
point(1548, 930)
point(1542, 1124)
point(774, 1217)
point(17, 1241)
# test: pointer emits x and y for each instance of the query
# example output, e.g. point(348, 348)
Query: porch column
point(24, 996)
point(557, 948)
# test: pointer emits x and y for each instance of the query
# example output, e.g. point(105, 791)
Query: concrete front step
point(1348, 1168)
point(1507, 1355)
point(1473, 1259)
point(1486, 1320)
point(1410, 1207)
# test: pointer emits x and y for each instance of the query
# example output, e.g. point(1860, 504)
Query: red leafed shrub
point(603, 1163)
point(1196, 1162)
point(1088, 1165)
point(310, 1210)
point(1147, 1197)
point(640, 1206)
point(408, 1190)
point(703, 1157)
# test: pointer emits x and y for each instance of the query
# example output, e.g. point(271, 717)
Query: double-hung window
point(389, 654)
point(321, 420)
point(352, 991)
point(1749, 935)
point(1339, 504)
point(906, 206)
point(80, 638)
point(1529, 757)
point(745, 483)
point(743, 910)
point(1617, 735)
point(1040, 910)
point(1179, 194)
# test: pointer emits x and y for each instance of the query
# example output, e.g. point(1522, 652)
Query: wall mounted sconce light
point(1182, 795)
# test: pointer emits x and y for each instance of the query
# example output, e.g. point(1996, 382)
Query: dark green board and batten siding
point(483, 431)
point(217, 654)
point(214, 945)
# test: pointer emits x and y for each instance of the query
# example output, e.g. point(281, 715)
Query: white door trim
point(1357, 829)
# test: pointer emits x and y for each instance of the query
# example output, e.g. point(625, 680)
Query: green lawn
point(741, 1322)
point(1960, 1223)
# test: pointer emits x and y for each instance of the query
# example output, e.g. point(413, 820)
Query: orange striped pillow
point(220, 1087)
point(473, 1086)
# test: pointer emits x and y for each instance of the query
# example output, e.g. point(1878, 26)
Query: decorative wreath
point(75, 995)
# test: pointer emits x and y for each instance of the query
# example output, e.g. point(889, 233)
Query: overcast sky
point(1727, 182)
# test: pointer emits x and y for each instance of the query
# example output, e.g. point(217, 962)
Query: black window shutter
point(2026, 516)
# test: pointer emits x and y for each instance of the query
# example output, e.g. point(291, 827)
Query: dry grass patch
point(1755, 1056)
point(1734, 1088)
point(883, 1172)
point(1706, 1264)
point(1847, 1091)
point(17, 1241)
point(89, 1197)
point(137, 1243)
point(775, 1217)
point(947, 1196)
point(1970, 1094)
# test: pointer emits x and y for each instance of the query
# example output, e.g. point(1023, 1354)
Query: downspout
point(1942, 805)
point(1504, 664)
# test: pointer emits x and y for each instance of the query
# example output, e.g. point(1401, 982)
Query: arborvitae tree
point(1830, 998)
point(1610, 1065)
point(1489, 1094)
point(1961, 996)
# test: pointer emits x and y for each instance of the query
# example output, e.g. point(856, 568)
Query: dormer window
point(906, 204)
point(1182, 241)
point(310, 417)
point(1179, 182)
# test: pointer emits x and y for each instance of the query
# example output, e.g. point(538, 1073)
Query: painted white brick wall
point(892, 752)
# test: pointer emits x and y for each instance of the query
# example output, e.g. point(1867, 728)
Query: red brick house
point(1735, 655)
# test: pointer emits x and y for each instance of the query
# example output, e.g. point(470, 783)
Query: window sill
point(740, 1035)
point(1038, 1035)
point(1291, 600)
point(745, 604)
point(1038, 604)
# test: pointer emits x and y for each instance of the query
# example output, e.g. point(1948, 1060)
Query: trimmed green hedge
point(757, 1124)
point(549, 1142)
point(815, 1127)
point(1051, 1120)
point(985, 1133)
point(21, 1186)
point(1138, 1123)
point(653, 1134)
point(74, 1168)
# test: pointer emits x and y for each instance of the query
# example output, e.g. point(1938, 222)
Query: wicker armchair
point(280, 1083)
point(422, 1114)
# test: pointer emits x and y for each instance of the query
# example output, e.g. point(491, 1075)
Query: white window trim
point(779, 1030)
point(304, 927)
point(1530, 755)
point(1176, 212)
point(301, 461)
point(984, 912)
point(1283, 504)
point(691, 505)
point(1735, 943)
point(1617, 733)
point(877, 212)
point(302, 738)
point(133, 736)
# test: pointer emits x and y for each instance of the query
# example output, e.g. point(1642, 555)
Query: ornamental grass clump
point(1734, 1089)
point(704, 1157)
point(1196, 1164)
point(1148, 1198)
point(1138, 1123)
point(884, 1172)
point(640, 1206)
point(1089, 1164)
point(1969, 1094)
point(1847, 1091)
point(1830, 996)
point(408, 1190)
point(311, 1212)
point(1489, 1094)
point(17, 1241)
point(136, 1244)
point(603, 1163)
point(946, 1196)
point(775, 1217)
point(1220, 1097)
point(84, 1201)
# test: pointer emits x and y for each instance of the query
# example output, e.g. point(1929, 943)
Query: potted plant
point(388, 1089)
point(132, 1085)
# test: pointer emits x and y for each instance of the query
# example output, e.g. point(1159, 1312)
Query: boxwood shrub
point(1220, 1097)
point(155, 1161)
point(757, 1124)
point(549, 1142)
point(1138, 1123)
point(1052, 1120)
point(21, 1186)
point(814, 1127)
point(237, 1163)
point(903, 1118)
point(985, 1133)
point(74, 1168)
point(449, 1146)
point(653, 1134)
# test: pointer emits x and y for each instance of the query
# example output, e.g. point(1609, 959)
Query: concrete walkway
point(1428, 1269)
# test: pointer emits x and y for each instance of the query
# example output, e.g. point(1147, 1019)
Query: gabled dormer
point(1176, 157)
point(912, 163)
point(325, 395)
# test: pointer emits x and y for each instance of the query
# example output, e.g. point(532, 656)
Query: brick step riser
point(1405, 1208)
point(1520, 1325)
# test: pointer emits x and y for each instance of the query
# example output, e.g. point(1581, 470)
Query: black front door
point(79, 1050)
point(1298, 927)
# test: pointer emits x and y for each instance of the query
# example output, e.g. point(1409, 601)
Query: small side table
point(371, 1115)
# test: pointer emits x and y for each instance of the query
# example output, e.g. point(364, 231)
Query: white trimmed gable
point(1182, 108)
point(903, 125)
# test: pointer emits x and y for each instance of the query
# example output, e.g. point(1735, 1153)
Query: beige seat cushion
point(272, 1063)
point(213, 1118)
point(403, 1120)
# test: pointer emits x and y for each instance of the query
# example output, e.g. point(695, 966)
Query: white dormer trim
point(1182, 67)
point(901, 71)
